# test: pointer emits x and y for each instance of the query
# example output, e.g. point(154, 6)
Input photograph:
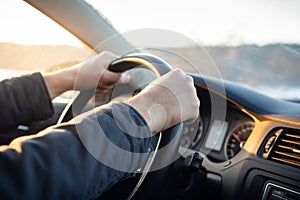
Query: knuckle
point(196, 114)
point(104, 54)
point(108, 54)
point(196, 107)
point(191, 88)
point(196, 103)
point(178, 71)
point(189, 79)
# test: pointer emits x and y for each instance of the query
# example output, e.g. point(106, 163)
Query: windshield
point(255, 43)
point(30, 41)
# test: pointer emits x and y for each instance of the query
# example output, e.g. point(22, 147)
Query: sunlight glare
point(23, 24)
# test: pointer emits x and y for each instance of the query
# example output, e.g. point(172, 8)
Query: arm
point(28, 98)
point(62, 162)
point(89, 74)
point(168, 100)
point(24, 99)
point(84, 157)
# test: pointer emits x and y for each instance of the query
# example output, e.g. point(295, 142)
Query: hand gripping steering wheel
point(172, 135)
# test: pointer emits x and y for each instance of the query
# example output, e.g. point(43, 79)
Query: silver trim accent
point(146, 169)
point(62, 115)
point(264, 197)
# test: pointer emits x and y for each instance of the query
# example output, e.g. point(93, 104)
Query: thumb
point(125, 78)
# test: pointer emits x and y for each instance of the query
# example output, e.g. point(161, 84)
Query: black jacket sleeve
point(24, 99)
point(79, 159)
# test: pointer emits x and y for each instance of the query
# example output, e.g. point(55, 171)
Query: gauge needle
point(237, 138)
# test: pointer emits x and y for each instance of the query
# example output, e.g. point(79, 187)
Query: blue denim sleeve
point(77, 160)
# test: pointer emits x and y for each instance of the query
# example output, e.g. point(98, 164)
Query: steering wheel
point(138, 60)
point(159, 67)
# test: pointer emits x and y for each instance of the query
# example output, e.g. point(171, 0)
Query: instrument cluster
point(219, 139)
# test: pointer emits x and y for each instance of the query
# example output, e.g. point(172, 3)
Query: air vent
point(284, 147)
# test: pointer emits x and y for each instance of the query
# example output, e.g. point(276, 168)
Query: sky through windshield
point(209, 22)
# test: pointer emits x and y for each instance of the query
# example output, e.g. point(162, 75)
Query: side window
point(30, 41)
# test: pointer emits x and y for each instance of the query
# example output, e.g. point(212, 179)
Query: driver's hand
point(93, 73)
point(167, 101)
point(89, 74)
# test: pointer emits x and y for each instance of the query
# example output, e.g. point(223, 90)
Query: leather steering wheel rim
point(159, 67)
point(138, 60)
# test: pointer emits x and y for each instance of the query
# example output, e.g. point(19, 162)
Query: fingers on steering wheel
point(101, 87)
point(196, 103)
point(109, 79)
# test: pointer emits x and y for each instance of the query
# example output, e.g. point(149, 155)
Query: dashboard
point(220, 139)
point(219, 135)
point(250, 142)
point(250, 145)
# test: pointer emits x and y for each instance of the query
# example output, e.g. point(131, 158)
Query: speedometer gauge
point(237, 138)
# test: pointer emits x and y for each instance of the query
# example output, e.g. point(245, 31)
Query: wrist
point(60, 81)
point(154, 114)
